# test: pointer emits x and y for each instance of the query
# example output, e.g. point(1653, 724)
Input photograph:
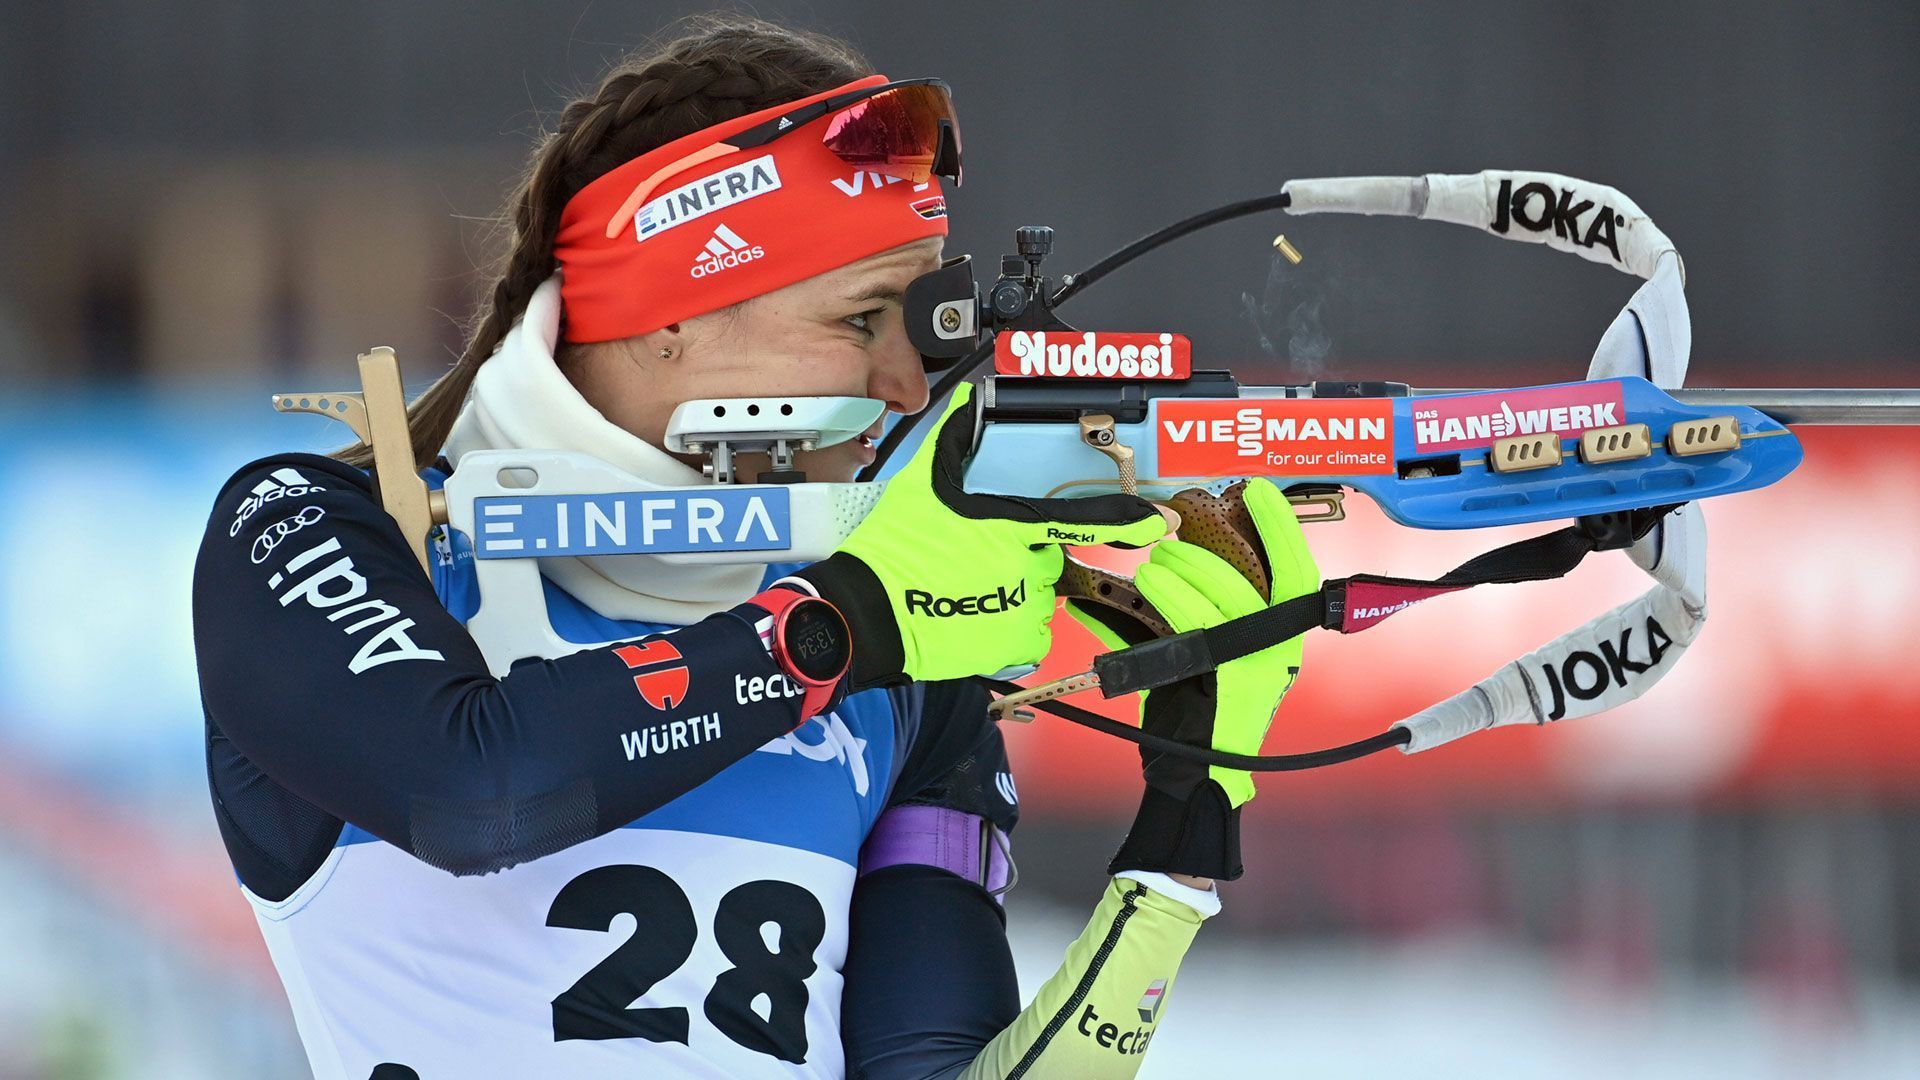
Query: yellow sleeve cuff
point(1096, 1016)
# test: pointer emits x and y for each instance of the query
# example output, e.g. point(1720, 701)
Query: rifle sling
point(1197, 652)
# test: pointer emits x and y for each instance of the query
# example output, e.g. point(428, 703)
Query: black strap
point(1538, 558)
point(1372, 744)
point(1167, 660)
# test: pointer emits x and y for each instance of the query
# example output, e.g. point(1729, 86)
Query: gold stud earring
point(666, 353)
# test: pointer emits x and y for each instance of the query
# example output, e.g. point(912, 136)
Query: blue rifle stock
point(1032, 445)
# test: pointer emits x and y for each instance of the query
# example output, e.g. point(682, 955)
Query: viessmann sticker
point(1473, 421)
point(1092, 355)
point(1275, 438)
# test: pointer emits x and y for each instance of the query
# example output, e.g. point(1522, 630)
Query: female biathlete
point(676, 851)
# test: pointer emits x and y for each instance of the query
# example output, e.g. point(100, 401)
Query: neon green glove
point(939, 583)
point(1188, 821)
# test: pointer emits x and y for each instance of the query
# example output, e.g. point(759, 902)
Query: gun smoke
point(1288, 318)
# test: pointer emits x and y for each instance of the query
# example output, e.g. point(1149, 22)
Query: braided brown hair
point(720, 67)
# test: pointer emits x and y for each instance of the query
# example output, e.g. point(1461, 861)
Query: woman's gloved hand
point(1189, 818)
point(938, 583)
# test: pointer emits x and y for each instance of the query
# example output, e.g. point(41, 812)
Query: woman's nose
point(899, 377)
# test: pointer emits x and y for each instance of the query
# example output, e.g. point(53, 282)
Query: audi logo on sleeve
point(337, 588)
point(264, 544)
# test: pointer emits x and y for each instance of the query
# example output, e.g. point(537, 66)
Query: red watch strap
point(775, 602)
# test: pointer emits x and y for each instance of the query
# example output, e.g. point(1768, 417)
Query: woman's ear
point(667, 344)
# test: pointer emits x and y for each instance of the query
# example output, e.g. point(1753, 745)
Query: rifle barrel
point(1846, 407)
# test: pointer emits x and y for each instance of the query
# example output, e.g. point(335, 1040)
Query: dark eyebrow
point(876, 291)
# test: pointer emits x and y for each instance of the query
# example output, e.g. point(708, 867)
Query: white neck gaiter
point(521, 401)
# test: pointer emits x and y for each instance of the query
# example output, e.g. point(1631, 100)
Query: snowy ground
point(1467, 1008)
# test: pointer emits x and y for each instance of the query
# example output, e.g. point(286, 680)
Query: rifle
point(1627, 454)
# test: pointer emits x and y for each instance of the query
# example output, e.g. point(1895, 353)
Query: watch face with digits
point(815, 642)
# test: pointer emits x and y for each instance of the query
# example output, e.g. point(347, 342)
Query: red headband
point(727, 229)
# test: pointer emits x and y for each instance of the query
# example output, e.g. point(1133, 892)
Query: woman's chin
point(835, 465)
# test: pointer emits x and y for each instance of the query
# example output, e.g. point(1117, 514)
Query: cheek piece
point(650, 243)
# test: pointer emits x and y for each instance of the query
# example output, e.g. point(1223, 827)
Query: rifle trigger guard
point(1097, 431)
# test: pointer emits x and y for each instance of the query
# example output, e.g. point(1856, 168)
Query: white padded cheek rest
point(1395, 196)
point(1475, 200)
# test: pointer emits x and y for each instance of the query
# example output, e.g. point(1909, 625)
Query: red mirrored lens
point(897, 132)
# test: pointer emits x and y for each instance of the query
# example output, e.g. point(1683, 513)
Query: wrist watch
point(809, 641)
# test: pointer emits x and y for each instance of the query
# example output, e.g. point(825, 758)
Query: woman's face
point(839, 333)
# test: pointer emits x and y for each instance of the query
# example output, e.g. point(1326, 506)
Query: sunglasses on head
point(905, 129)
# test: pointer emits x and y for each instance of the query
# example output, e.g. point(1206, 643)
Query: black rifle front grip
point(1168, 660)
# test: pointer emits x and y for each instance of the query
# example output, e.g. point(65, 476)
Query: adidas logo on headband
point(724, 250)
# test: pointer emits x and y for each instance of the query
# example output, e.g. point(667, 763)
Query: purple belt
point(953, 840)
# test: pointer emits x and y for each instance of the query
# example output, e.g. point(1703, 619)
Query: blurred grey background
point(208, 187)
point(202, 202)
